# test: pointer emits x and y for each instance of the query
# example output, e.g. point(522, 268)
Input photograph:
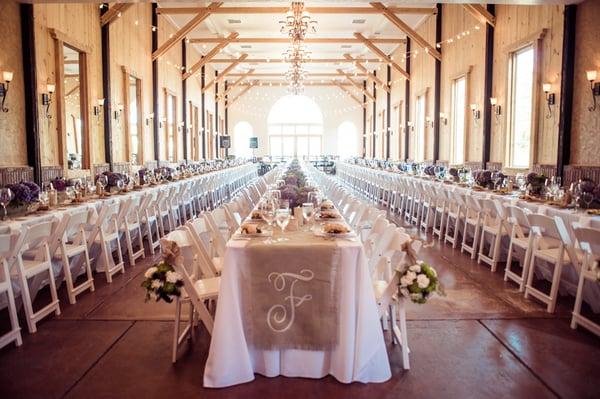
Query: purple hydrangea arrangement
point(60, 184)
point(25, 193)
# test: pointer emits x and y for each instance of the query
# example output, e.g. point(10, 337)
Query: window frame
point(422, 157)
point(466, 75)
point(170, 94)
point(535, 41)
point(127, 74)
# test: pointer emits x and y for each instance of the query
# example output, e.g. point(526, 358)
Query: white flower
point(405, 281)
point(153, 296)
point(423, 281)
point(156, 284)
point(415, 268)
point(411, 275)
point(150, 272)
point(173, 277)
point(416, 297)
point(405, 292)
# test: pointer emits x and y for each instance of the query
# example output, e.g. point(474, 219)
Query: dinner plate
point(238, 235)
point(320, 219)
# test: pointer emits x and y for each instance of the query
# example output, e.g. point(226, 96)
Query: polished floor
point(482, 340)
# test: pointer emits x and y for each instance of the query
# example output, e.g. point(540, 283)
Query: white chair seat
point(207, 287)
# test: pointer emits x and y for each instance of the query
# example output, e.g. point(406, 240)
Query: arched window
point(347, 140)
point(295, 127)
point(241, 140)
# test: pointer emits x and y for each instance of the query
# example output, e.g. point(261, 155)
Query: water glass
point(6, 195)
point(308, 210)
point(282, 217)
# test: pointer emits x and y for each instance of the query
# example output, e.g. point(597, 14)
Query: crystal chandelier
point(297, 24)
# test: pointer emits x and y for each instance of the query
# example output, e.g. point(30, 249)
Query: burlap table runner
point(290, 294)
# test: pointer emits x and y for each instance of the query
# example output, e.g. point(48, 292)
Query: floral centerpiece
point(418, 282)
point(162, 282)
point(26, 197)
point(295, 189)
point(589, 186)
point(536, 183)
point(60, 184)
point(113, 178)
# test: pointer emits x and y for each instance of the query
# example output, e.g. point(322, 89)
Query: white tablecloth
point(359, 356)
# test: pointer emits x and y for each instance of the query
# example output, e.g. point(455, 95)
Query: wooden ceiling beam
point(282, 74)
point(236, 83)
point(233, 100)
point(349, 93)
point(481, 14)
point(210, 55)
point(186, 29)
point(403, 26)
point(312, 10)
point(369, 74)
point(114, 13)
point(381, 55)
point(284, 84)
point(356, 85)
point(280, 60)
point(225, 72)
point(284, 40)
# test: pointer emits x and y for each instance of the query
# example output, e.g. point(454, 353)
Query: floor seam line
point(511, 351)
point(76, 382)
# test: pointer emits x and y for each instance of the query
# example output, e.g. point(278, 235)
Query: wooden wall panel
point(397, 103)
point(131, 47)
point(13, 150)
point(513, 25)
point(585, 139)
point(423, 79)
point(467, 53)
point(80, 22)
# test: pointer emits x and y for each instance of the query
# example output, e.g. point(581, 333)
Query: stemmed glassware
point(267, 211)
point(587, 199)
point(103, 181)
point(6, 195)
point(496, 177)
point(308, 211)
point(576, 191)
point(521, 181)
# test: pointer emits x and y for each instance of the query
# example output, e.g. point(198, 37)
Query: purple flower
point(21, 193)
point(60, 184)
point(34, 188)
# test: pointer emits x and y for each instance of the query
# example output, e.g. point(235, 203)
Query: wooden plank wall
point(13, 150)
point(397, 104)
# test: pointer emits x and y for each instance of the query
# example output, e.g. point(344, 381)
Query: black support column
point(388, 115)
point(203, 108)
point(364, 137)
point(438, 87)
point(487, 89)
point(184, 100)
point(566, 89)
point(32, 133)
point(226, 120)
point(155, 127)
point(407, 101)
point(108, 144)
point(374, 121)
point(217, 116)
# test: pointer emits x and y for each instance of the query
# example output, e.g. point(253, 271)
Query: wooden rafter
point(113, 13)
point(209, 56)
point(370, 74)
point(285, 40)
point(481, 14)
point(381, 54)
point(403, 26)
point(285, 83)
point(187, 28)
point(282, 74)
point(356, 85)
point(233, 100)
point(236, 83)
point(282, 61)
point(225, 72)
point(312, 10)
point(349, 93)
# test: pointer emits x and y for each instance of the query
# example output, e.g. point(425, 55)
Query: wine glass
point(6, 195)
point(587, 199)
point(308, 210)
point(576, 191)
point(284, 204)
point(496, 179)
point(103, 181)
point(521, 180)
point(267, 211)
point(282, 217)
point(120, 185)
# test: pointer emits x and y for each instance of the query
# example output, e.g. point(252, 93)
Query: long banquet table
point(570, 275)
point(359, 352)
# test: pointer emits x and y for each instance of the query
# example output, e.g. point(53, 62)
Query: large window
point(521, 107)
point(171, 126)
point(295, 127)
point(241, 140)
point(459, 106)
point(347, 140)
point(420, 129)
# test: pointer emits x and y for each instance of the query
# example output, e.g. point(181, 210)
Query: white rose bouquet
point(162, 282)
point(418, 282)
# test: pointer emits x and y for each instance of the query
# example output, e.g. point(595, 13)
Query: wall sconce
point(162, 122)
point(496, 108)
point(118, 112)
point(149, 118)
point(7, 76)
point(98, 108)
point(443, 119)
point(410, 126)
point(550, 98)
point(476, 113)
point(47, 98)
point(179, 126)
point(428, 122)
point(595, 87)
point(390, 130)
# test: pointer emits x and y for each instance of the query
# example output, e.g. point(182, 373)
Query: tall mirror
point(73, 105)
point(134, 119)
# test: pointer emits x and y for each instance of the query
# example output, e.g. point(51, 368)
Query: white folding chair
point(522, 239)
point(7, 242)
point(33, 261)
point(108, 235)
point(130, 226)
point(203, 238)
point(494, 227)
point(589, 242)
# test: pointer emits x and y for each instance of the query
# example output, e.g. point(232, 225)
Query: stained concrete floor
point(482, 340)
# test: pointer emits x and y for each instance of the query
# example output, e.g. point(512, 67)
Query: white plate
point(239, 235)
point(320, 219)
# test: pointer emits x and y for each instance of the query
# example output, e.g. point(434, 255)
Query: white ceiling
point(267, 26)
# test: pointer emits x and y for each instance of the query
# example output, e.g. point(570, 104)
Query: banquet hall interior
point(321, 199)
